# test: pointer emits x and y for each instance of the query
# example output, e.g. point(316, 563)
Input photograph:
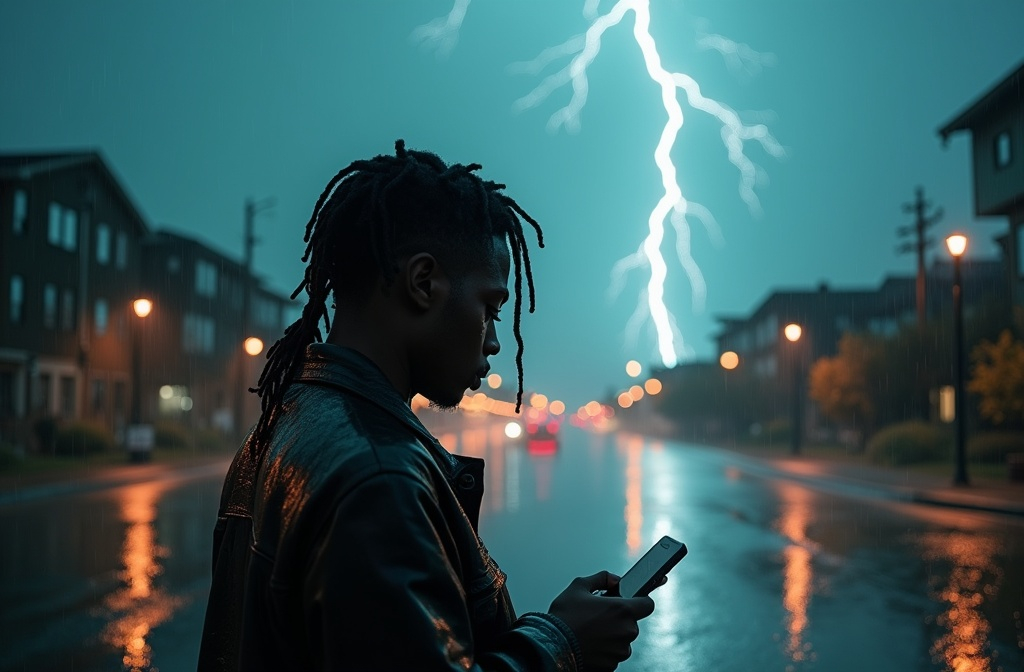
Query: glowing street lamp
point(729, 360)
point(957, 245)
point(253, 346)
point(793, 332)
point(633, 368)
point(142, 308)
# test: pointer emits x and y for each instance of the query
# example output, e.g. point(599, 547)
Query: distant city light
point(592, 408)
point(513, 430)
point(652, 386)
point(142, 307)
point(253, 345)
point(538, 401)
point(625, 400)
point(636, 393)
point(729, 360)
point(633, 368)
point(494, 381)
point(166, 391)
point(793, 332)
point(557, 407)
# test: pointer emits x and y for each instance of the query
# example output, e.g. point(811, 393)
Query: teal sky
point(198, 105)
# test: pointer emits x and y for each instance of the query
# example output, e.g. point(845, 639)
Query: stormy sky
point(199, 105)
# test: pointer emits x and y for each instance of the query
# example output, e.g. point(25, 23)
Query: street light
point(142, 307)
point(957, 244)
point(793, 332)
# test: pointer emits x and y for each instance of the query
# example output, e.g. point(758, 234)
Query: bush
point(909, 443)
point(9, 457)
point(993, 447)
point(82, 438)
point(171, 435)
point(45, 429)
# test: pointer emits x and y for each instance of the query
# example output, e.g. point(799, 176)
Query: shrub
point(211, 441)
point(45, 429)
point(9, 457)
point(82, 438)
point(910, 442)
point(171, 435)
point(993, 447)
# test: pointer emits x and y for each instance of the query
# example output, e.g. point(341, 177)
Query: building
point(75, 254)
point(995, 121)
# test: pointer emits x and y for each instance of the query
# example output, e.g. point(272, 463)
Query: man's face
point(463, 335)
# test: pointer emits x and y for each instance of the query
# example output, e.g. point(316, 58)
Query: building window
point(49, 306)
point(17, 299)
point(99, 396)
point(121, 250)
point(43, 393)
point(67, 397)
point(20, 212)
point(53, 229)
point(206, 279)
point(67, 309)
point(173, 264)
point(102, 244)
point(101, 317)
point(6, 394)
point(1003, 149)
point(70, 230)
point(198, 334)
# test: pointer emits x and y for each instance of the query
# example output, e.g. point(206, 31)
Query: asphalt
point(894, 484)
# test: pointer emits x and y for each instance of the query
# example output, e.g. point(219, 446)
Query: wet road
point(778, 577)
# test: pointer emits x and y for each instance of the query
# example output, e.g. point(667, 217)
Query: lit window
point(17, 299)
point(1003, 150)
point(101, 317)
point(198, 334)
point(53, 230)
point(103, 244)
point(70, 241)
point(20, 211)
point(121, 250)
point(49, 306)
point(67, 309)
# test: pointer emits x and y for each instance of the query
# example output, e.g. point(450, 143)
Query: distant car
point(542, 438)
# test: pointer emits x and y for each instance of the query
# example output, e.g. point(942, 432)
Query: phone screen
point(644, 576)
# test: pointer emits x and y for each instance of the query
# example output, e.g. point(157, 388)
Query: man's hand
point(605, 626)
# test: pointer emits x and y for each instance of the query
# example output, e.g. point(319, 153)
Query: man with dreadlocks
point(347, 535)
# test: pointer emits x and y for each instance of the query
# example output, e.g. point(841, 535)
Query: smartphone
point(647, 573)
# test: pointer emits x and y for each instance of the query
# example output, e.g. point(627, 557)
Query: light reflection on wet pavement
point(778, 577)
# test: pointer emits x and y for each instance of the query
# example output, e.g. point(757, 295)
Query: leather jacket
point(349, 541)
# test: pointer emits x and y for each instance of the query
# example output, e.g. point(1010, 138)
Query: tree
point(841, 385)
point(998, 378)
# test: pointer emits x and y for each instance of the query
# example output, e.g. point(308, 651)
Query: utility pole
point(249, 241)
point(919, 230)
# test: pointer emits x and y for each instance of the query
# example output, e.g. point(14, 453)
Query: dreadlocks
point(386, 206)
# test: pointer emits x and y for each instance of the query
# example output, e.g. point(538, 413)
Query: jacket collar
point(354, 372)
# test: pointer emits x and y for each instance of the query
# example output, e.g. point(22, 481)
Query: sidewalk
point(21, 488)
point(897, 484)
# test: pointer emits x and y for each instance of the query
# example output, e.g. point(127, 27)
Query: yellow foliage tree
point(998, 378)
point(840, 384)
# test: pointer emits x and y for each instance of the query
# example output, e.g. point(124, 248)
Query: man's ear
point(424, 281)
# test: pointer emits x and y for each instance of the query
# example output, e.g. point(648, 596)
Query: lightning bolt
point(672, 207)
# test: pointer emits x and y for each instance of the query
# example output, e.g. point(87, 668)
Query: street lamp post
point(793, 332)
point(252, 346)
point(957, 244)
point(139, 439)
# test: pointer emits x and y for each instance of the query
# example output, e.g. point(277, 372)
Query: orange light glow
point(557, 407)
point(633, 368)
point(494, 381)
point(652, 386)
point(793, 332)
point(625, 400)
point(798, 572)
point(142, 307)
point(538, 401)
point(957, 244)
point(634, 512)
point(729, 360)
point(636, 393)
point(253, 346)
point(592, 408)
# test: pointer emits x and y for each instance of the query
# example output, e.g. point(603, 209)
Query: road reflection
point(795, 515)
point(962, 639)
point(633, 446)
point(138, 606)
